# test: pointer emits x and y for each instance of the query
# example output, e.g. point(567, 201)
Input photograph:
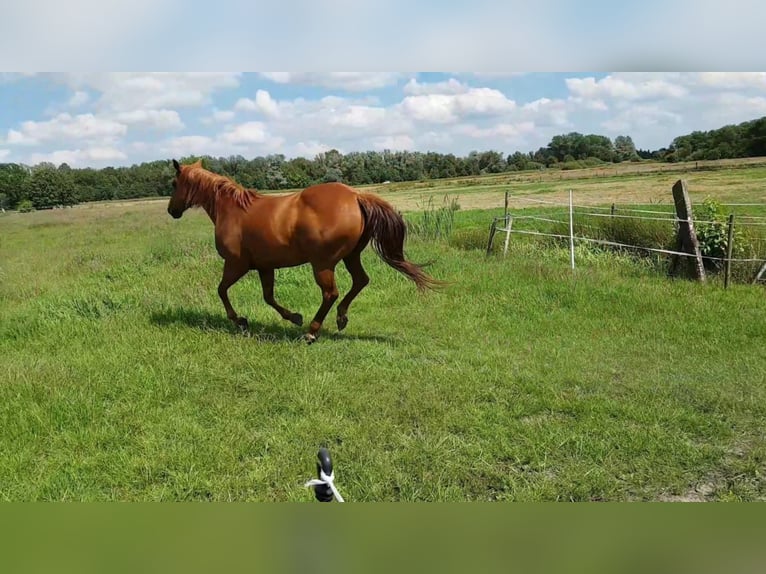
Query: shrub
point(25, 206)
point(435, 222)
point(474, 238)
point(711, 225)
point(641, 233)
point(631, 232)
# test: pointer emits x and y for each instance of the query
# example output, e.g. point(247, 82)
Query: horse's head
point(179, 201)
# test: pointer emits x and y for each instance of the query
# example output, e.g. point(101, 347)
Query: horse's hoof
point(342, 322)
point(243, 325)
point(297, 319)
point(310, 338)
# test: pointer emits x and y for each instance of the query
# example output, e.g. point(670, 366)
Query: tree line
point(46, 185)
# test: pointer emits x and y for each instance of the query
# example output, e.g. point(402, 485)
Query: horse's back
point(329, 217)
point(328, 193)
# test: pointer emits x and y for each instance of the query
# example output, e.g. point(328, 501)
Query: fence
point(687, 247)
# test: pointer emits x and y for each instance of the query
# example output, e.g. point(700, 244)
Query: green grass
point(122, 379)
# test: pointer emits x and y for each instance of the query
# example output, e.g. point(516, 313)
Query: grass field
point(122, 379)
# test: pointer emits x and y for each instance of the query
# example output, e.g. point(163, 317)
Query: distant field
point(638, 183)
point(122, 379)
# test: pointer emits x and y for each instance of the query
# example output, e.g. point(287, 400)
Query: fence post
point(508, 226)
point(729, 250)
point(761, 273)
point(492, 230)
point(686, 240)
point(571, 232)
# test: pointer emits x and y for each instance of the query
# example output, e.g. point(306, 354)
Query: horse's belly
point(276, 260)
point(271, 253)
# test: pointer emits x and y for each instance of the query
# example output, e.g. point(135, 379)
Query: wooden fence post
point(761, 273)
point(508, 226)
point(686, 241)
point(492, 231)
point(729, 250)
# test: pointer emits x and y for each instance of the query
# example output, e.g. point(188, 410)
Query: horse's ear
point(177, 166)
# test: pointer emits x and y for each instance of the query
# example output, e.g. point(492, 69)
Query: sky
point(100, 118)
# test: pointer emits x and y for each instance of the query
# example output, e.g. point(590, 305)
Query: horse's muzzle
point(175, 214)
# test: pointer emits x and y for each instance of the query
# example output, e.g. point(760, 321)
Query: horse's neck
point(209, 202)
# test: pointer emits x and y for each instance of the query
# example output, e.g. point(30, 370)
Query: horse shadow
point(265, 332)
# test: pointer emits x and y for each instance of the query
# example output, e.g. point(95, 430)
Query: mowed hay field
point(122, 379)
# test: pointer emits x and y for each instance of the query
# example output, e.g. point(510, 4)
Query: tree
point(13, 182)
point(491, 162)
point(275, 178)
point(625, 148)
point(331, 165)
point(48, 187)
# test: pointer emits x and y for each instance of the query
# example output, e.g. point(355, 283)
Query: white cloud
point(491, 75)
point(310, 149)
point(249, 132)
point(157, 119)
point(262, 103)
point(438, 140)
point(732, 80)
point(359, 117)
point(249, 138)
point(451, 86)
point(351, 81)
point(733, 107)
point(219, 116)
point(455, 115)
point(332, 120)
point(655, 107)
point(548, 112)
point(400, 142)
point(639, 117)
point(79, 157)
point(84, 127)
point(128, 91)
point(623, 88)
point(186, 145)
point(10, 77)
point(502, 131)
point(4, 153)
point(223, 115)
point(448, 108)
point(79, 98)
point(122, 101)
point(596, 105)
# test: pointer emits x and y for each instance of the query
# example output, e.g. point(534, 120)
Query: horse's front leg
point(325, 278)
point(233, 271)
point(267, 283)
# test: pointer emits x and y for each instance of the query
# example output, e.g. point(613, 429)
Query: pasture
point(122, 379)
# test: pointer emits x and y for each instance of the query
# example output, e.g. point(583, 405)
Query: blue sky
point(99, 119)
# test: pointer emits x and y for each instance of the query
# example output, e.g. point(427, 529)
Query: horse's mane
point(205, 187)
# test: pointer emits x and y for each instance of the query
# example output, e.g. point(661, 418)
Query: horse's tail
point(387, 230)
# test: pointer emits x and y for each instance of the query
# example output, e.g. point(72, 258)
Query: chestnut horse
point(321, 225)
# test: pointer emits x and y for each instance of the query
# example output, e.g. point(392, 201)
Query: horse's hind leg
point(359, 279)
point(325, 278)
point(233, 271)
point(267, 282)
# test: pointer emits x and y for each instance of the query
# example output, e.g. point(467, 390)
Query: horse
point(320, 225)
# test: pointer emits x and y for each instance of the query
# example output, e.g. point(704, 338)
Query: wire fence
point(569, 219)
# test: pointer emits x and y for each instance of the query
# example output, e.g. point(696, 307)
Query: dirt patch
point(700, 493)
